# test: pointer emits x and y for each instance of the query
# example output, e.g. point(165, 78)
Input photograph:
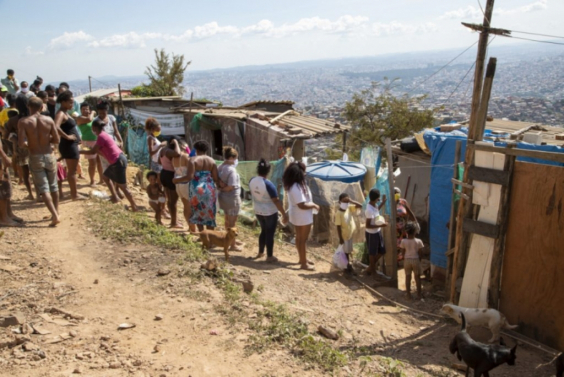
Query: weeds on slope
point(111, 221)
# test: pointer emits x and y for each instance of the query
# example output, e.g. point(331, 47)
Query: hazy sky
point(66, 39)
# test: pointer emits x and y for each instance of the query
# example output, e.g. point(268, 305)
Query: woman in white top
point(153, 129)
point(266, 205)
point(301, 208)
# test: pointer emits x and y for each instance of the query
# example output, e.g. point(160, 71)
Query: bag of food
point(340, 258)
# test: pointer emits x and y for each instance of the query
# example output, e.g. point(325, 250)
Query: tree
point(376, 114)
point(167, 75)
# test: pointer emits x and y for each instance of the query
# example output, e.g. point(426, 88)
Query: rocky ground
point(84, 299)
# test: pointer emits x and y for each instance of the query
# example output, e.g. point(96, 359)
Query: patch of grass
point(391, 368)
point(111, 221)
point(320, 352)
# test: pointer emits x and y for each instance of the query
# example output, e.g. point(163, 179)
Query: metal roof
point(97, 94)
point(508, 126)
point(268, 102)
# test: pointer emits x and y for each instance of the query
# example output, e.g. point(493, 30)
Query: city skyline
point(67, 43)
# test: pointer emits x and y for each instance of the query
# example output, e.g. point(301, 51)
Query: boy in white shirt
point(374, 237)
point(346, 226)
point(412, 259)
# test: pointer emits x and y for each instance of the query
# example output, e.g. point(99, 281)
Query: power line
point(443, 67)
point(541, 35)
point(533, 40)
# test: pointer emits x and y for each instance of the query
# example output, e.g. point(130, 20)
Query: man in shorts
point(40, 132)
point(374, 237)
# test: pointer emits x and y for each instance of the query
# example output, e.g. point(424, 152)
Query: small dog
point(480, 317)
point(210, 238)
point(480, 357)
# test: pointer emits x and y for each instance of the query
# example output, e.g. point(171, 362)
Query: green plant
point(167, 74)
point(376, 114)
point(109, 220)
point(320, 352)
point(391, 368)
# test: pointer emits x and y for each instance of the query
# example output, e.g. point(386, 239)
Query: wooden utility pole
point(187, 126)
point(120, 101)
point(90, 83)
point(393, 213)
point(465, 206)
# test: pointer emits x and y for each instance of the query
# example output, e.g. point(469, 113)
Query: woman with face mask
point(230, 195)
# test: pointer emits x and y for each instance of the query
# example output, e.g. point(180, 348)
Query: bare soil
point(102, 284)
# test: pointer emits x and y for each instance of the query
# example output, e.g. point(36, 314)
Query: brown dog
point(210, 238)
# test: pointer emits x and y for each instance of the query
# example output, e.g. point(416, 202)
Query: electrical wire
point(533, 40)
point(541, 35)
point(443, 67)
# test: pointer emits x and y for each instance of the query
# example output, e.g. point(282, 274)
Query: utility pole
point(465, 205)
point(90, 83)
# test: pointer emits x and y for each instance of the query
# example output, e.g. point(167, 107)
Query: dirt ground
point(77, 288)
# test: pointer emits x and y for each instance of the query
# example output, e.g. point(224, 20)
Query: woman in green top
point(84, 122)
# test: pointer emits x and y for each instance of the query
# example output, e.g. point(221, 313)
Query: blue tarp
point(137, 149)
point(442, 146)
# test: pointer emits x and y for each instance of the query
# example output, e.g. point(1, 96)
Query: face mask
point(397, 197)
point(25, 90)
point(344, 206)
point(156, 134)
point(236, 162)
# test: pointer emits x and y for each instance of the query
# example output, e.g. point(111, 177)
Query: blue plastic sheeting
point(540, 148)
point(442, 147)
point(137, 149)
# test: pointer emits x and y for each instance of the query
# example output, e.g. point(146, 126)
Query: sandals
point(258, 256)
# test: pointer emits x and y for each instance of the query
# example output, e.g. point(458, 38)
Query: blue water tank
point(347, 172)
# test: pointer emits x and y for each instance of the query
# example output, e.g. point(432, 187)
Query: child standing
point(412, 259)
point(346, 226)
point(374, 238)
point(156, 195)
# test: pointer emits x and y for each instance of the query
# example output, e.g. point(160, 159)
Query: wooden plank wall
point(532, 286)
point(474, 292)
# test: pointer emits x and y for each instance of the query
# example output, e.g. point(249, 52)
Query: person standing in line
point(117, 170)
point(24, 90)
point(167, 180)
point(10, 82)
point(7, 218)
point(3, 95)
point(154, 146)
point(346, 227)
point(20, 154)
point(266, 205)
point(374, 237)
point(74, 111)
point(180, 162)
point(301, 208)
point(412, 259)
point(203, 179)
point(70, 139)
point(84, 122)
point(230, 194)
point(110, 128)
point(51, 100)
point(36, 86)
point(37, 132)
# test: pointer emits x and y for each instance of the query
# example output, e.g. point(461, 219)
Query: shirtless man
point(37, 132)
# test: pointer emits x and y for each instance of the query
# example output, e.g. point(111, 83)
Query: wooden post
point(120, 101)
point(484, 104)
point(90, 83)
point(499, 245)
point(187, 126)
point(393, 213)
point(465, 206)
point(451, 228)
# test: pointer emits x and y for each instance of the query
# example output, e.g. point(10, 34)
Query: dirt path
point(71, 269)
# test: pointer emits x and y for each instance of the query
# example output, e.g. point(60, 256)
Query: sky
point(72, 39)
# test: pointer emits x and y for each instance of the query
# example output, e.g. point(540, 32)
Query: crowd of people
point(45, 133)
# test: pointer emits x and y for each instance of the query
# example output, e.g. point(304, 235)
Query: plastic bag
point(340, 259)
